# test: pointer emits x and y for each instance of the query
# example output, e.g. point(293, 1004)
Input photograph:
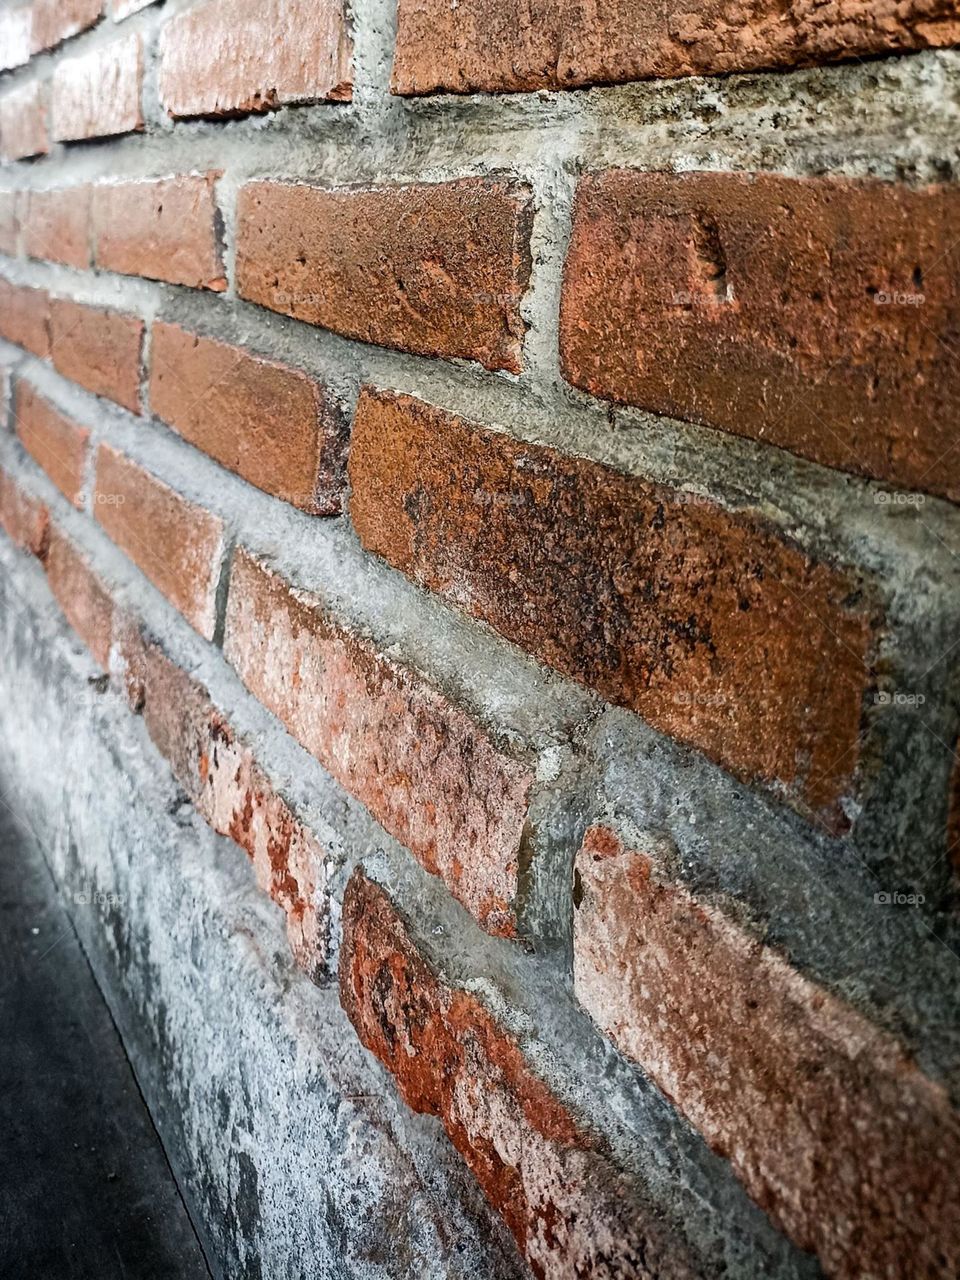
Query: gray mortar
point(192, 951)
point(296, 1156)
point(528, 708)
point(807, 894)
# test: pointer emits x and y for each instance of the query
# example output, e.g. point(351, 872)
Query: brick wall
point(507, 462)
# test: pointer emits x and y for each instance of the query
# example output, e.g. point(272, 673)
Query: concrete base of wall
point(290, 1148)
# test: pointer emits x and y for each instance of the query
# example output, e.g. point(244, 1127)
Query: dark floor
point(85, 1189)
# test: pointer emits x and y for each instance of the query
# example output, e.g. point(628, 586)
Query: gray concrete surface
point(85, 1187)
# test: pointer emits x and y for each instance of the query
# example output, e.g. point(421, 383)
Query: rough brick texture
point(85, 601)
point(25, 520)
point(829, 1124)
point(707, 623)
point(816, 314)
point(98, 94)
point(176, 544)
point(56, 20)
point(98, 349)
point(10, 206)
point(25, 317)
point(434, 269)
point(223, 779)
point(270, 424)
point(535, 1163)
point(223, 57)
point(427, 772)
point(562, 44)
point(165, 229)
point(23, 122)
point(57, 226)
point(56, 444)
point(15, 28)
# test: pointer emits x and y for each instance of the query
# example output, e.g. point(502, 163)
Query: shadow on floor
point(85, 1188)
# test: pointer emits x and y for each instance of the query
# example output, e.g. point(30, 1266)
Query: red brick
point(57, 226)
point(23, 122)
point(177, 544)
point(569, 1210)
point(437, 269)
point(753, 303)
point(98, 95)
point(226, 57)
point(426, 771)
point(98, 349)
point(220, 774)
point(829, 1124)
point(57, 20)
point(562, 44)
point(25, 519)
point(710, 624)
point(56, 444)
point(15, 26)
point(164, 229)
point(85, 601)
point(270, 424)
point(25, 317)
point(10, 205)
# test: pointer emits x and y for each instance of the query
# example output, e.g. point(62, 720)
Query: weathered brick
point(98, 95)
point(57, 20)
point(86, 603)
point(220, 774)
point(437, 269)
point(98, 349)
point(568, 1208)
point(15, 27)
point(57, 226)
point(11, 203)
point(177, 544)
point(164, 229)
point(426, 771)
point(56, 444)
point(562, 44)
point(817, 314)
point(25, 519)
point(226, 57)
point(25, 317)
point(710, 624)
point(272, 425)
point(23, 122)
point(829, 1124)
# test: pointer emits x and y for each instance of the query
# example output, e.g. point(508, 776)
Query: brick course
point(829, 1124)
point(176, 544)
point(223, 57)
point(707, 623)
point(434, 269)
point(817, 314)
point(56, 444)
point(427, 772)
point(272, 425)
point(565, 44)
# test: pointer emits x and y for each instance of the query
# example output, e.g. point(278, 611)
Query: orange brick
point(177, 544)
point(56, 444)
